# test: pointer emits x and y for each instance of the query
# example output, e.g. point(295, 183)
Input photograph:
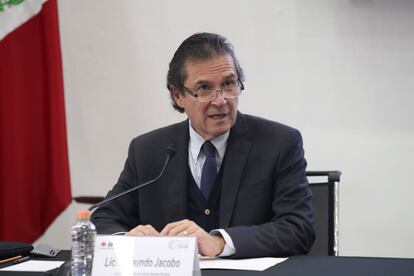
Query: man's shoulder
point(162, 135)
point(255, 125)
point(270, 135)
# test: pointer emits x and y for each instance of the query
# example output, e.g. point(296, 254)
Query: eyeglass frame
point(240, 85)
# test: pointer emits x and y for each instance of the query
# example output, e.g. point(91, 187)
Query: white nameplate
point(144, 256)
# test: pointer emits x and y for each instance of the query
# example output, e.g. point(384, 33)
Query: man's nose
point(219, 99)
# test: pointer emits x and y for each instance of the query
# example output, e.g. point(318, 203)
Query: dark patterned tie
point(209, 172)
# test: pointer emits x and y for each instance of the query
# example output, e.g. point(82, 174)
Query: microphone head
point(171, 150)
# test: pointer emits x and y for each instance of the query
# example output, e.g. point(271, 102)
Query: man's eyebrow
point(200, 82)
point(228, 77)
point(231, 76)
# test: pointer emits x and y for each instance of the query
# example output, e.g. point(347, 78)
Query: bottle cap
point(83, 214)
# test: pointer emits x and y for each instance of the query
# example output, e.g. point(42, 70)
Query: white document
point(39, 266)
point(257, 264)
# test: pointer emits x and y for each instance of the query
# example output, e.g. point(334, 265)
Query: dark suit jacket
point(265, 203)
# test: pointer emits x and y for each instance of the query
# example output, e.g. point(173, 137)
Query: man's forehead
point(223, 66)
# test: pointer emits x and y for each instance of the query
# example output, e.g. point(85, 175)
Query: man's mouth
point(217, 116)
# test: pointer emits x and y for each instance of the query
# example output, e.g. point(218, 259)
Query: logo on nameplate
point(178, 244)
point(106, 245)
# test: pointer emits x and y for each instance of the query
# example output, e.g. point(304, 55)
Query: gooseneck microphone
point(168, 156)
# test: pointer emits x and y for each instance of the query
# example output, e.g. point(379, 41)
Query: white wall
point(340, 71)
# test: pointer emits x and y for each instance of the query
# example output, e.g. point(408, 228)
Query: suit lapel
point(237, 151)
point(176, 176)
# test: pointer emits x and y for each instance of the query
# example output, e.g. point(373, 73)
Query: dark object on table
point(10, 249)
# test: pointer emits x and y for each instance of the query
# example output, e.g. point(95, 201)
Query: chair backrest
point(88, 199)
point(326, 211)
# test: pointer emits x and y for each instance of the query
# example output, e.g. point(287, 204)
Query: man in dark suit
point(237, 182)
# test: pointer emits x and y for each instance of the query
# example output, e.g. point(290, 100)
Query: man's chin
point(221, 130)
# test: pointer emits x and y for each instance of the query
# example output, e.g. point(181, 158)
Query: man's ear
point(176, 95)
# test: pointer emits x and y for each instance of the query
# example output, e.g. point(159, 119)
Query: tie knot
point(209, 149)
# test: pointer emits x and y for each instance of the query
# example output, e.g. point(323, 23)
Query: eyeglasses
point(205, 93)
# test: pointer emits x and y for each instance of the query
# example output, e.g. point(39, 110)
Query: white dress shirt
point(196, 159)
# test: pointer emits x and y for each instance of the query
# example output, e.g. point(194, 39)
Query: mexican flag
point(34, 169)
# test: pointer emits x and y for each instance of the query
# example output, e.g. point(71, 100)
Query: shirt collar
point(196, 141)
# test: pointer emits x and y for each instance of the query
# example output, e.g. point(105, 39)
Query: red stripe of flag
point(34, 169)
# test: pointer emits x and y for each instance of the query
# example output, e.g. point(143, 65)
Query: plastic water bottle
point(83, 240)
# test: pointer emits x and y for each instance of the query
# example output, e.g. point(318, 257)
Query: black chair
point(88, 199)
point(326, 211)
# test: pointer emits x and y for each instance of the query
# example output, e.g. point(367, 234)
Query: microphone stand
point(170, 154)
